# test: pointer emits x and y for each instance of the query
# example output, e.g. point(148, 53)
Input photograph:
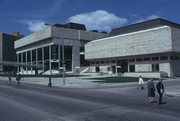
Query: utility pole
point(63, 61)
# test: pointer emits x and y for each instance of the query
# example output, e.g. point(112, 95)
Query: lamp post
point(63, 60)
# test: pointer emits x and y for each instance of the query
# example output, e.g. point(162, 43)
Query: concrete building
point(150, 48)
point(46, 47)
point(7, 51)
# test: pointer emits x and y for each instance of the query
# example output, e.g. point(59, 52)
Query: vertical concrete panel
point(165, 67)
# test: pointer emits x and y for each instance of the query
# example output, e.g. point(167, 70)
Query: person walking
point(10, 80)
point(50, 83)
point(18, 78)
point(151, 90)
point(140, 83)
point(160, 90)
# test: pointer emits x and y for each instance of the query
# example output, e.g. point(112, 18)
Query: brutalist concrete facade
point(45, 47)
point(154, 49)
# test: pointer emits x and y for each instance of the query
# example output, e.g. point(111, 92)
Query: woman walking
point(141, 83)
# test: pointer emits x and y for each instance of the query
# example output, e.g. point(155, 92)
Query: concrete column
point(59, 57)
point(26, 62)
point(31, 60)
point(50, 59)
point(22, 62)
point(36, 56)
point(43, 58)
point(18, 63)
point(75, 57)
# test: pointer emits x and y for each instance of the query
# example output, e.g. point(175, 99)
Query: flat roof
point(143, 26)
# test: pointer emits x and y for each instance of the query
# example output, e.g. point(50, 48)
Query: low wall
point(146, 74)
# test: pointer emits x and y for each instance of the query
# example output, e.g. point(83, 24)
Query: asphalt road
point(31, 102)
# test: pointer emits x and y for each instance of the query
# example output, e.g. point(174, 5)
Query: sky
point(29, 16)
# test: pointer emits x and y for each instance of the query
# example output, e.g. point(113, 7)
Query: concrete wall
point(165, 67)
point(148, 75)
point(175, 68)
point(143, 67)
point(44, 34)
point(150, 41)
point(176, 39)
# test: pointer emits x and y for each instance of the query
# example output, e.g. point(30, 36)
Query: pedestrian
point(160, 90)
point(151, 90)
point(18, 78)
point(10, 80)
point(50, 83)
point(141, 83)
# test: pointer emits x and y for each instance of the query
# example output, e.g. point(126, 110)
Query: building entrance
point(123, 66)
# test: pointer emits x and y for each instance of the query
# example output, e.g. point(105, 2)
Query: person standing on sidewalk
point(10, 80)
point(151, 90)
point(160, 90)
point(18, 78)
point(50, 83)
point(141, 83)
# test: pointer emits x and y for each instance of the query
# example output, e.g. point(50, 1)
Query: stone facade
point(46, 47)
point(151, 50)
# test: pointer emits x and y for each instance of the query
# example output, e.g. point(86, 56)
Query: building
point(150, 48)
point(7, 51)
point(46, 47)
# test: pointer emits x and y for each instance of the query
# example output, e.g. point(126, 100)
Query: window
point(131, 60)
point(97, 62)
point(107, 62)
point(164, 58)
point(155, 67)
point(146, 59)
point(139, 59)
point(92, 62)
point(155, 58)
point(172, 57)
point(132, 68)
point(102, 62)
point(113, 61)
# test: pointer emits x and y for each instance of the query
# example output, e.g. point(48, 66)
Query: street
point(31, 102)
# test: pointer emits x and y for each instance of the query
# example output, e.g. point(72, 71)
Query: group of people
point(151, 89)
point(18, 78)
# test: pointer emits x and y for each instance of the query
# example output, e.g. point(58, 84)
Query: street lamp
point(63, 60)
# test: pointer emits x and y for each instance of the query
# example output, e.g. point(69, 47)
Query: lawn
point(119, 79)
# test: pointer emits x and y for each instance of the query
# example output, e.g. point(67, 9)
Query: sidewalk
point(81, 82)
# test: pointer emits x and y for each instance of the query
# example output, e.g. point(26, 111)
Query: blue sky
point(28, 16)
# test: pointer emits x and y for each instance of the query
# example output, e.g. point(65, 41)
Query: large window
point(132, 68)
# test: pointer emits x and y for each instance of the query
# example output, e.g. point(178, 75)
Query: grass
point(119, 79)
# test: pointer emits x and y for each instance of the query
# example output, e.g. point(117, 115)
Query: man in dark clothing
point(50, 83)
point(160, 90)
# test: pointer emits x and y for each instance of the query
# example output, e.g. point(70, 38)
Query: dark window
point(131, 60)
point(132, 68)
point(155, 58)
point(146, 59)
point(92, 62)
point(139, 59)
point(54, 52)
point(164, 58)
point(102, 62)
point(113, 61)
point(39, 54)
point(28, 56)
point(155, 67)
point(33, 55)
point(97, 62)
point(46, 53)
point(107, 62)
point(68, 52)
point(172, 57)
